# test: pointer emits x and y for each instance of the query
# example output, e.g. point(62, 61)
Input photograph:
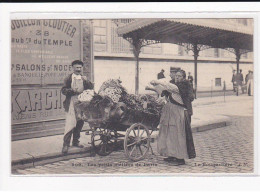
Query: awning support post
point(136, 50)
point(238, 55)
point(196, 55)
point(195, 48)
point(137, 44)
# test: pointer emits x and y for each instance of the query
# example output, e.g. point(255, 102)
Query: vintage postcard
point(132, 96)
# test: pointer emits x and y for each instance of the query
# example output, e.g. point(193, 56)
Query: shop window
point(217, 81)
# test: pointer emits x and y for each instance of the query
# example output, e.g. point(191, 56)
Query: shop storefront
point(41, 56)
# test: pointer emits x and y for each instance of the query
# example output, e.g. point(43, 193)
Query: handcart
point(133, 127)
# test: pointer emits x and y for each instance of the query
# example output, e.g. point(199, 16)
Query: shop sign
point(42, 50)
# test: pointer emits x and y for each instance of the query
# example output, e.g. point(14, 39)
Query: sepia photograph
point(132, 96)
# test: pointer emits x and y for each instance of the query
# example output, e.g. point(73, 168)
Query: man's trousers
point(75, 132)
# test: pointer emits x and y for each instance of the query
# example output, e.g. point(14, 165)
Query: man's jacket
point(68, 92)
point(238, 78)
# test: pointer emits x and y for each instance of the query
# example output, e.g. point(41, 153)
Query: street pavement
point(222, 150)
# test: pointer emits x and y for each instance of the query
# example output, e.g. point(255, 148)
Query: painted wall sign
point(42, 50)
point(36, 105)
point(41, 56)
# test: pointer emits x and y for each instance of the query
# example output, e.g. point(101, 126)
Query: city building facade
point(215, 66)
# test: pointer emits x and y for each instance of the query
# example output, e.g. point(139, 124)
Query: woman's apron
point(172, 135)
point(71, 120)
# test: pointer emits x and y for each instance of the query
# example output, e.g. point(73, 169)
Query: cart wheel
point(137, 142)
point(103, 141)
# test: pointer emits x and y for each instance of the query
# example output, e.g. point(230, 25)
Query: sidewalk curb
point(210, 126)
point(49, 158)
point(87, 152)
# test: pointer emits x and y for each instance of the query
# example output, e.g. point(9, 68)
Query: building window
point(217, 81)
point(119, 44)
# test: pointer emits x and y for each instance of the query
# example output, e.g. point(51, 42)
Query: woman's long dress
point(172, 135)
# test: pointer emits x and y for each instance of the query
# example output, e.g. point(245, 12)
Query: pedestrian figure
point(240, 80)
point(233, 80)
point(190, 78)
point(161, 74)
point(250, 84)
point(246, 78)
point(74, 84)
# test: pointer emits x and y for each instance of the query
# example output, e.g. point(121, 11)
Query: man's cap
point(174, 69)
point(162, 70)
point(79, 62)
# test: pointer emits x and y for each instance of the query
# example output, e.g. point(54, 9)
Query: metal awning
point(192, 33)
point(215, 33)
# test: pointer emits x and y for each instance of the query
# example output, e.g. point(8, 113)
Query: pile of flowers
point(113, 89)
point(110, 94)
point(112, 83)
point(113, 93)
point(86, 96)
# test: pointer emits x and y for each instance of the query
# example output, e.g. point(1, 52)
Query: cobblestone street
point(222, 150)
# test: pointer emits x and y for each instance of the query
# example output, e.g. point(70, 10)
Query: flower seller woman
point(175, 140)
